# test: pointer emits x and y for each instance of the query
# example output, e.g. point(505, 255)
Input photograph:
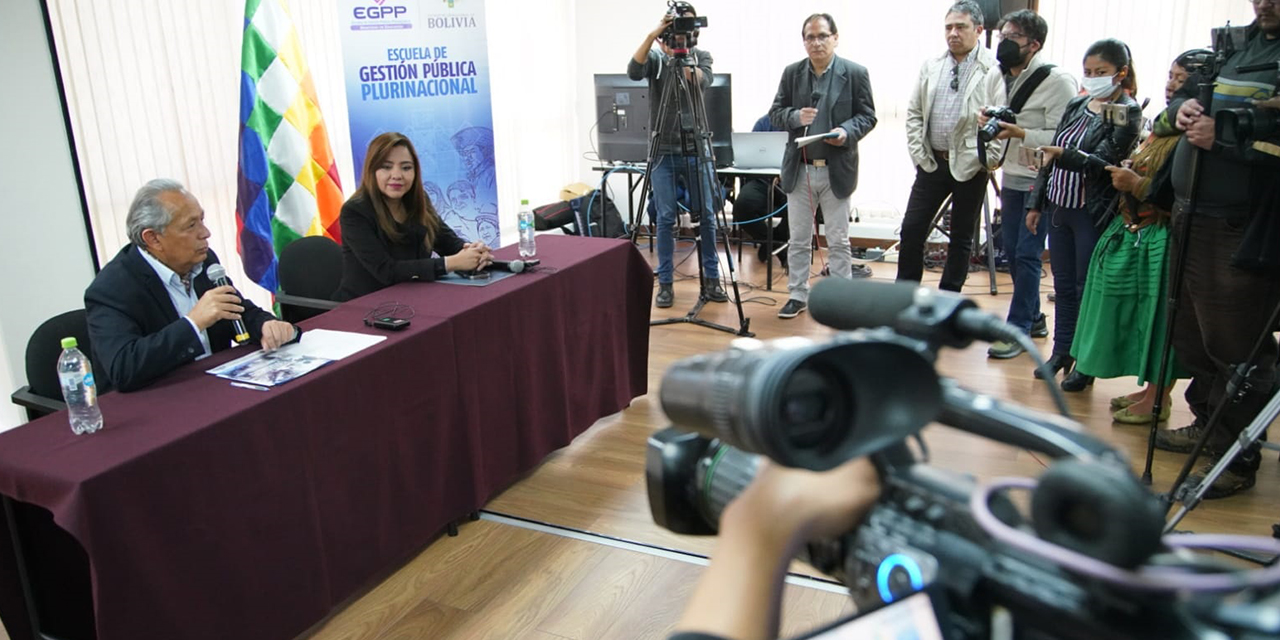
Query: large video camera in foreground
point(1087, 561)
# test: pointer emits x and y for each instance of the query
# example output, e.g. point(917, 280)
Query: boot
point(712, 291)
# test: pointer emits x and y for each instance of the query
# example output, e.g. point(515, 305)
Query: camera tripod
point(682, 104)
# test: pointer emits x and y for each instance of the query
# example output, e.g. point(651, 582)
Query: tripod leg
point(1191, 496)
point(991, 243)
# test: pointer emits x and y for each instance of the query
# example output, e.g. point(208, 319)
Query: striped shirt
point(1066, 188)
point(944, 113)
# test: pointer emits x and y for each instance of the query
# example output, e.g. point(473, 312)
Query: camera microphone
point(218, 275)
point(911, 310)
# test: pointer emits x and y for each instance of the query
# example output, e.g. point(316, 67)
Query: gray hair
point(148, 212)
point(971, 8)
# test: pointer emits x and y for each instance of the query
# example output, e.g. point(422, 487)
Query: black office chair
point(310, 270)
point(43, 394)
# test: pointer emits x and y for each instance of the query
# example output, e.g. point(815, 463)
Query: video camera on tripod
point(681, 34)
point(1088, 561)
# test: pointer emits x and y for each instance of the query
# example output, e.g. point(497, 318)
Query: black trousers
point(927, 194)
point(752, 203)
point(1222, 311)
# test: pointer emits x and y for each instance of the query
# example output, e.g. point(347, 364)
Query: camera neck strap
point(1019, 100)
point(1024, 92)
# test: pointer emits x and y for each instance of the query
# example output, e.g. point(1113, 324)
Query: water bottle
point(528, 245)
point(78, 388)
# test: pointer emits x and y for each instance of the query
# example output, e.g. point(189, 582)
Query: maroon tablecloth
point(210, 511)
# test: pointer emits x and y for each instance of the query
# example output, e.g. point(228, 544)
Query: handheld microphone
point(935, 316)
point(218, 275)
point(814, 99)
point(514, 266)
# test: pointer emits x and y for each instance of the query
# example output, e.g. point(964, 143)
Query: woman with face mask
point(1074, 188)
point(1123, 310)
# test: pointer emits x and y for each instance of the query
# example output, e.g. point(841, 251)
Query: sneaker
point(665, 298)
point(1234, 479)
point(1040, 328)
point(792, 309)
point(1002, 350)
point(712, 291)
point(861, 271)
point(1179, 440)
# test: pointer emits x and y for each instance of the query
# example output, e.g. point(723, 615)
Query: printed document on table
point(317, 348)
point(332, 345)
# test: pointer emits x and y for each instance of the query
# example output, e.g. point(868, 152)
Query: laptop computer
point(759, 149)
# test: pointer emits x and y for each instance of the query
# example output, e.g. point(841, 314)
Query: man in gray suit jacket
point(822, 94)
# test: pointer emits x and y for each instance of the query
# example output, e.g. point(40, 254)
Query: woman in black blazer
point(390, 227)
point(1074, 188)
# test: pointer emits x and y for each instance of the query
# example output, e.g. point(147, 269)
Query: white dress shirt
point(182, 294)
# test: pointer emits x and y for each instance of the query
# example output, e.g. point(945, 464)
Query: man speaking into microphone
point(824, 94)
point(154, 306)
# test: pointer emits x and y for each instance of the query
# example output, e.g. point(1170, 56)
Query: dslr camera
point(997, 115)
point(1086, 559)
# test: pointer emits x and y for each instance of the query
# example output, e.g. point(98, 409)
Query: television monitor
point(622, 110)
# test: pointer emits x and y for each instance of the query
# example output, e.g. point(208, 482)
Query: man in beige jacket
point(942, 136)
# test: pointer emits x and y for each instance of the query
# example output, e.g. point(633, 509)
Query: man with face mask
point(1047, 89)
point(942, 137)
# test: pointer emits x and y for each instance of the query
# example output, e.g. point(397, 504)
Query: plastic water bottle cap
point(69, 343)
point(524, 203)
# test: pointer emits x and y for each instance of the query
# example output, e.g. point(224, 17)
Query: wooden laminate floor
point(496, 580)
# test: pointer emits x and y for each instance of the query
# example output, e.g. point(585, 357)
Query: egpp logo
point(379, 12)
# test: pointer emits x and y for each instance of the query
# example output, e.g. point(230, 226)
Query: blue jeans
point(664, 176)
point(1023, 249)
point(1072, 237)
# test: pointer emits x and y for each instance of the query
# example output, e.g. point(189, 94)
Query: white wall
point(44, 252)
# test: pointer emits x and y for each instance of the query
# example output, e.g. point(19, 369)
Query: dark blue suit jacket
point(137, 334)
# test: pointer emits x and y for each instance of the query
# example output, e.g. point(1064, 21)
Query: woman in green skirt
point(1123, 308)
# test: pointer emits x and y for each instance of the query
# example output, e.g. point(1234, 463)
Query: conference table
point(203, 510)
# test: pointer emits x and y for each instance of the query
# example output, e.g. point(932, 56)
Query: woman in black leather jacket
point(1074, 188)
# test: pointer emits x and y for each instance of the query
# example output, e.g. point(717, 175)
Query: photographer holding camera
point(1227, 293)
point(739, 594)
point(1098, 129)
point(1037, 93)
point(942, 138)
point(676, 156)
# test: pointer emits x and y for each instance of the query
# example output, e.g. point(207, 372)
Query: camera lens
point(804, 405)
point(811, 406)
point(989, 131)
point(1236, 127)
